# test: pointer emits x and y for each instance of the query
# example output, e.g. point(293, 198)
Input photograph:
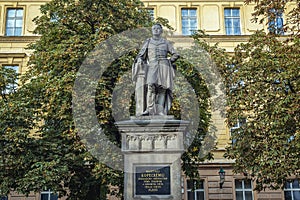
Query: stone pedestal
point(152, 147)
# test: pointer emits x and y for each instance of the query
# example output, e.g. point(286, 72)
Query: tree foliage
point(202, 70)
point(268, 11)
point(263, 88)
point(40, 148)
point(263, 91)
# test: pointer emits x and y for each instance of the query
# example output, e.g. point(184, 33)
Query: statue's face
point(156, 30)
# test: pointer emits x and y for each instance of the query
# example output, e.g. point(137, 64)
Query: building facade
point(227, 22)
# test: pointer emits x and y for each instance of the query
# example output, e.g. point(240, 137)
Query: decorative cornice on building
point(18, 39)
point(12, 54)
point(213, 38)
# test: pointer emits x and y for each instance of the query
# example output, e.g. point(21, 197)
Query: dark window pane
point(191, 196)
point(296, 184)
point(200, 185)
point(247, 184)
point(239, 196)
point(238, 184)
point(296, 195)
point(53, 197)
point(44, 196)
point(248, 195)
point(287, 185)
point(287, 195)
point(190, 184)
point(200, 195)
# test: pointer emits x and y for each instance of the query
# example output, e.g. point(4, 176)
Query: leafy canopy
point(264, 89)
point(269, 10)
point(41, 148)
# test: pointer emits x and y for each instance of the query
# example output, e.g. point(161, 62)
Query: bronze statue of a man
point(153, 62)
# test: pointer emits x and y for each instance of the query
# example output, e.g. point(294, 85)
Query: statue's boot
point(145, 113)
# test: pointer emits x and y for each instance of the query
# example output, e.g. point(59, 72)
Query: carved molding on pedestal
point(142, 142)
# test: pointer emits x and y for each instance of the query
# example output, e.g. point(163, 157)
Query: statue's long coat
point(158, 68)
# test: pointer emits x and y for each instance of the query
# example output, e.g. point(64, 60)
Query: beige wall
point(12, 49)
point(210, 14)
point(209, 174)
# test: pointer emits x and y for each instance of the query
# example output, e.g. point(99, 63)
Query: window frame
point(7, 9)
point(14, 86)
point(149, 10)
point(190, 31)
point(202, 190)
point(243, 189)
point(231, 17)
point(291, 190)
point(3, 197)
point(239, 124)
point(49, 193)
point(273, 24)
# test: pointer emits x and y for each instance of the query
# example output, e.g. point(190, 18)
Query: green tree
point(263, 88)
point(40, 148)
point(41, 145)
point(268, 10)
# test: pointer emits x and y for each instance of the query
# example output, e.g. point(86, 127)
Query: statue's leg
point(161, 98)
point(151, 99)
point(150, 108)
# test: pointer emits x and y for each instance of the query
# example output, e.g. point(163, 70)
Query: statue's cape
point(138, 66)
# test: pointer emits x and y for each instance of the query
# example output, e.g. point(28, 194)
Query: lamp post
point(222, 177)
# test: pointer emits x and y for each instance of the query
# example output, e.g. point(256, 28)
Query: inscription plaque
point(152, 180)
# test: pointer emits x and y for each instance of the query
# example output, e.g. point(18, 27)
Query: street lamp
point(222, 177)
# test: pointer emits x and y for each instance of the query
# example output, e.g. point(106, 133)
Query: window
point(3, 198)
point(54, 17)
point(188, 21)
point(243, 189)
point(9, 77)
point(232, 21)
point(195, 190)
point(48, 195)
point(276, 24)
point(292, 190)
point(238, 125)
point(151, 13)
point(14, 22)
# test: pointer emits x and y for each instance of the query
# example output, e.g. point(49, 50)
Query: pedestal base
point(152, 147)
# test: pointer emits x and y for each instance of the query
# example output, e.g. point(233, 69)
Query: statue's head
point(157, 29)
